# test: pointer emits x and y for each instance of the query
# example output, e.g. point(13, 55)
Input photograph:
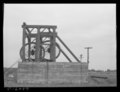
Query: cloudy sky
point(78, 25)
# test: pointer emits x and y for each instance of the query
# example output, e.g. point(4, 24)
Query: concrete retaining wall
point(52, 72)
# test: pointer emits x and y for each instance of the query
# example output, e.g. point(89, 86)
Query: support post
point(65, 55)
point(88, 53)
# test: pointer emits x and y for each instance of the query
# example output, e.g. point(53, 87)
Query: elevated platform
point(52, 72)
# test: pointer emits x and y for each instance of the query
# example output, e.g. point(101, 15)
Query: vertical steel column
point(37, 45)
point(53, 49)
point(40, 49)
point(54, 44)
point(29, 44)
point(29, 47)
point(24, 36)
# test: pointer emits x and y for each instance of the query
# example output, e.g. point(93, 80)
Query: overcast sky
point(78, 25)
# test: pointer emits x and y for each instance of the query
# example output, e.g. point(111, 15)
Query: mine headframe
point(39, 44)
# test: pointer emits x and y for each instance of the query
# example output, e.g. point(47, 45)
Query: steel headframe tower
point(38, 42)
point(33, 44)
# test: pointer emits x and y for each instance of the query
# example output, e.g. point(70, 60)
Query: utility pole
point(81, 56)
point(88, 53)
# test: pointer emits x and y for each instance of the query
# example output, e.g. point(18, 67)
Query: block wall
point(52, 72)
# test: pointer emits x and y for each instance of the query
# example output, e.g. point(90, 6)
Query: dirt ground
point(109, 80)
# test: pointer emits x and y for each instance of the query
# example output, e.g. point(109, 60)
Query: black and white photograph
point(59, 45)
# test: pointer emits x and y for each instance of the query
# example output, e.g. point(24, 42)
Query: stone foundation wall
point(52, 72)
